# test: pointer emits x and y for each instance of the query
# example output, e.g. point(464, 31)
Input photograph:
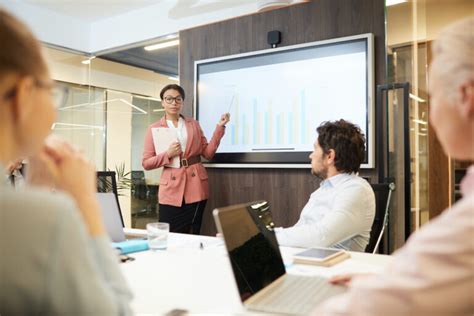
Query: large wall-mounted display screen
point(278, 97)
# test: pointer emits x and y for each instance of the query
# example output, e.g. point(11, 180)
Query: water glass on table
point(158, 235)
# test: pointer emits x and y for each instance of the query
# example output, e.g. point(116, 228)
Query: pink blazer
point(192, 182)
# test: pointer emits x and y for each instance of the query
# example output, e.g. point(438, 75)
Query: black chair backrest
point(106, 182)
point(381, 191)
point(138, 175)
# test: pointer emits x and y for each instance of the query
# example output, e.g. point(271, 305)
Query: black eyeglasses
point(58, 93)
point(178, 100)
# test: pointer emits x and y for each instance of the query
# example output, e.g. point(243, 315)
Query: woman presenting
point(183, 191)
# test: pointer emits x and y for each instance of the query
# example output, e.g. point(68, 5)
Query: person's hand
point(346, 279)
point(39, 173)
point(174, 150)
point(69, 171)
point(225, 118)
point(14, 165)
point(70, 168)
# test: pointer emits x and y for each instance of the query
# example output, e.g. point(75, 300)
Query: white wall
point(138, 25)
point(119, 131)
point(51, 27)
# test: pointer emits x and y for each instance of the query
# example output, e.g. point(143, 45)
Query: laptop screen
point(252, 246)
point(111, 216)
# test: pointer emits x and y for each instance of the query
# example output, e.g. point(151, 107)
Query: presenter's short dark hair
point(347, 141)
point(172, 87)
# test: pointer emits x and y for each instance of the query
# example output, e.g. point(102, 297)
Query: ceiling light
point(394, 2)
point(420, 121)
point(77, 125)
point(173, 78)
point(75, 106)
point(88, 60)
point(417, 98)
point(162, 45)
point(171, 36)
point(263, 5)
point(146, 98)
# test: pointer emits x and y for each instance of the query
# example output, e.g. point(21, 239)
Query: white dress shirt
point(18, 179)
point(338, 214)
point(181, 131)
point(433, 274)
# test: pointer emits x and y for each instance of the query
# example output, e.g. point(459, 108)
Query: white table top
point(201, 281)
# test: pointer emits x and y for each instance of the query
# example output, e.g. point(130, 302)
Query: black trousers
point(185, 219)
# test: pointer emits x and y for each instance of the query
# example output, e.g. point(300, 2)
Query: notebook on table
point(258, 266)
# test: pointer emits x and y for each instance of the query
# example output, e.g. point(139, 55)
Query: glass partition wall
point(411, 27)
point(144, 183)
point(81, 120)
point(109, 106)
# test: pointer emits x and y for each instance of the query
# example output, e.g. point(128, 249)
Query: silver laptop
point(111, 216)
point(258, 266)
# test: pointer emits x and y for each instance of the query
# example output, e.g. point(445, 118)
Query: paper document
point(162, 139)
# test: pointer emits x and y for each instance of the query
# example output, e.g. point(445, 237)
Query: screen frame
point(370, 164)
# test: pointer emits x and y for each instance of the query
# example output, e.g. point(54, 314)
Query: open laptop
point(111, 216)
point(258, 266)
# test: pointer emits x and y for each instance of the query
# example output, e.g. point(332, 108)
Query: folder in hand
point(162, 139)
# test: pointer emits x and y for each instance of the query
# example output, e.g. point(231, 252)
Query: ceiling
point(164, 61)
point(92, 10)
point(102, 17)
point(96, 10)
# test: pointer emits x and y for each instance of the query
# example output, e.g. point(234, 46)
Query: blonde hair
point(21, 52)
point(453, 57)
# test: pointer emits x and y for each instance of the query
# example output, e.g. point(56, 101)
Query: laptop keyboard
point(295, 294)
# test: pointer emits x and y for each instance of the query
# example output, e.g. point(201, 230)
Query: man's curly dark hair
point(347, 141)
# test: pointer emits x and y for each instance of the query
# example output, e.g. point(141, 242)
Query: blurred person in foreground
point(433, 274)
point(56, 258)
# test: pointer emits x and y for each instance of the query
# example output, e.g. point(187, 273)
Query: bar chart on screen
point(264, 124)
point(276, 104)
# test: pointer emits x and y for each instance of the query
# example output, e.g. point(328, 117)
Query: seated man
point(341, 212)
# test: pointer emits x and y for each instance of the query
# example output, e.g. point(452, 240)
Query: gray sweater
point(49, 265)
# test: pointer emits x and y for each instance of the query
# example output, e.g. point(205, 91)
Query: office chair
point(106, 182)
point(139, 187)
point(383, 193)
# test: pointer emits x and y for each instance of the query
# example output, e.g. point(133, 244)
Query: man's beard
point(320, 174)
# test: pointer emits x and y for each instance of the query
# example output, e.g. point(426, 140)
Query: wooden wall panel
point(286, 189)
point(439, 166)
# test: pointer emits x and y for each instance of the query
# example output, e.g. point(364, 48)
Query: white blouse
point(181, 132)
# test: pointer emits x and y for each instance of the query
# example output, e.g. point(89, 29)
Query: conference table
point(194, 274)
